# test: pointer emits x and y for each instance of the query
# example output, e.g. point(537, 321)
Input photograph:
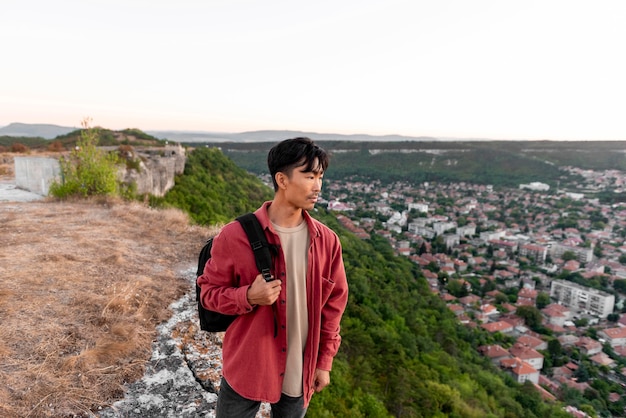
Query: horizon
point(374, 137)
point(484, 69)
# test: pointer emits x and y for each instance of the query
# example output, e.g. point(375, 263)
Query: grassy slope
point(84, 286)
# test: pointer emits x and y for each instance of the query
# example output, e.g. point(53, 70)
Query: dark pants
point(232, 405)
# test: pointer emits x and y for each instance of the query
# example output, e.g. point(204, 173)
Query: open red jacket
point(254, 354)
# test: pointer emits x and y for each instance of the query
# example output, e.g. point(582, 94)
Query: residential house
point(614, 336)
point(498, 326)
point(556, 314)
point(507, 246)
point(534, 252)
point(494, 352)
point(567, 340)
point(526, 297)
point(602, 359)
point(589, 346)
point(566, 371)
point(486, 311)
point(470, 300)
point(533, 342)
point(520, 370)
point(456, 308)
point(527, 354)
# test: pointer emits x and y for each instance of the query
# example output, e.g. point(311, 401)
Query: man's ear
point(281, 180)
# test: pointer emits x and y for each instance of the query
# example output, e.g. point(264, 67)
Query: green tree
point(543, 300)
point(620, 285)
point(568, 255)
point(531, 315)
point(612, 317)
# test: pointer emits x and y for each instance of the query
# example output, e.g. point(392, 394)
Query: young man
point(281, 346)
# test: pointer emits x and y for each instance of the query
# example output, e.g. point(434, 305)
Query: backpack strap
point(259, 244)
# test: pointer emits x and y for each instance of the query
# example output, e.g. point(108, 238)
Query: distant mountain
point(276, 135)
point(48, 131)
point(45, 131)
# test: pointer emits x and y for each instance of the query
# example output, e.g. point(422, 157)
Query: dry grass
point(84, 285)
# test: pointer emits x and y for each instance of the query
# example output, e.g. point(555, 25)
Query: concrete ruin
point(157, 169)
point(36, 174)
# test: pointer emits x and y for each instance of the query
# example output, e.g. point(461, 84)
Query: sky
point(497, 69)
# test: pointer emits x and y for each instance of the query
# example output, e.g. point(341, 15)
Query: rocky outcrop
point(153, 170)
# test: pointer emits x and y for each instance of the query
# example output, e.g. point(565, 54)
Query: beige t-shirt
point(295, 244)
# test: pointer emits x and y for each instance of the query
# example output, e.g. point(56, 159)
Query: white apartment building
point(534, 251)
point(583, 254)
point(424, 231)
point(441, 227)
point(466, 231)
point(492, 235)
point(581, 298)
point(420, 207)
point(535, 185)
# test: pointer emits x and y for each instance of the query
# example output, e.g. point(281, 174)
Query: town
point(543, 271)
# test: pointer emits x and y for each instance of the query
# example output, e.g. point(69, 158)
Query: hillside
point(499, 163)
point(67, 140)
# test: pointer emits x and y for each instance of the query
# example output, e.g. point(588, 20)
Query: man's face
point(303, 187)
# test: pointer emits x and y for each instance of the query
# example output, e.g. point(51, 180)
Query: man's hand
point(322, 379)
point(261, 292)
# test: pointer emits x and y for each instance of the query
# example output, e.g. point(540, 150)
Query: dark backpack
point(214, 321)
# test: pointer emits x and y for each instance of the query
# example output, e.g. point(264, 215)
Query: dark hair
point(296, 152)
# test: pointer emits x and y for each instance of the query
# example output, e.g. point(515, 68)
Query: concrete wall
point(158, 168)
point(36, 174)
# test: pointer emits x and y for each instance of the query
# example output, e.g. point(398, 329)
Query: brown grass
point(84, 285)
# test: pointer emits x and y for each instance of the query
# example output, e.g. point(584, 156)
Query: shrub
point(87, 171)
point(19, 148)
point(56, 146)
point(126, 153)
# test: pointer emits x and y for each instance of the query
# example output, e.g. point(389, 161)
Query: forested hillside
point(500, 163)
point(403, 352)
point(214, 190)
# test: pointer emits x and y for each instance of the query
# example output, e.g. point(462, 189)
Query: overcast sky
point(498, 69)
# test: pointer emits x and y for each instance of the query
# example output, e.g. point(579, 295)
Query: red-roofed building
point(571, 265)
point(469, 300)
point(527, 354)
point(526, 297)
point(500, 326)
point(447, 297)
point(556, 329)
point(510, 308)
point(602, 359)
point(533, 342)
point(520, 370)
point(456, 308)
point(533, 251)
point(486, 311)
point(589, 346)
point(556, 314)
point(615, 336)
point(494, 352)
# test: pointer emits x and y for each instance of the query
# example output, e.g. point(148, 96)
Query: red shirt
point(253, 357)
